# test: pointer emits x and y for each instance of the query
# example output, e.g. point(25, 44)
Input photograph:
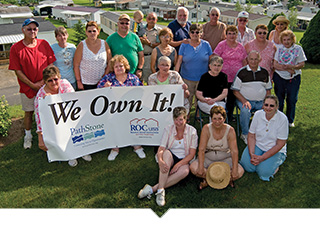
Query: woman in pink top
point(234, 57)
point(265, 47)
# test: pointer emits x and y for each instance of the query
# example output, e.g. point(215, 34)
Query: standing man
point(128, 44)
point(180, 28)
point(28, 58)
point(149, 41)
point(214, 31)
point(250, 86)
point(245, 34)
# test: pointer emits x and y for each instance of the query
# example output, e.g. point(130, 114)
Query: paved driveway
point(9, 85)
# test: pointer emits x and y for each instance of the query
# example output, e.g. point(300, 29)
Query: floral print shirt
point(132, 80)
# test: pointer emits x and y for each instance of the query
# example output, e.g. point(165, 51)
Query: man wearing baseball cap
point(128, 44)
point(28, 58)
point(245, 34)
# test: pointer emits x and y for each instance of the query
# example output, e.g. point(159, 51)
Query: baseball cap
point(29, 21)
point(243, 14)
point(124, 16)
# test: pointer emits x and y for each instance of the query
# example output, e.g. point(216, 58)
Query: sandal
point(203, 184)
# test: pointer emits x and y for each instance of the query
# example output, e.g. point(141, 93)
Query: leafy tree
point(248, 7)
point(292, 3)
point(238, 6)
point(80, 32)
point(292, 17)
point(270, 25)
point(310, 40)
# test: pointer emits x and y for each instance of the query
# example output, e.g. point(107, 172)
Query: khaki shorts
point(27, 104)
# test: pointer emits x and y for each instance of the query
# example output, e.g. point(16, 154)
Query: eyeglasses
point(151, 18)
point(192, 32)
point(32, 29)
point(51, 80)
point(214, 14)
point(262, 33)
point(243, 20)
point(271, 105)
point(122, 23)
point(93, 31)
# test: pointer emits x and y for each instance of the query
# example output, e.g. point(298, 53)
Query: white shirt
point(267, 132)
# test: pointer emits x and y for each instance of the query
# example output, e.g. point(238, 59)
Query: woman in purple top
point(120, 76)
point(234, 57)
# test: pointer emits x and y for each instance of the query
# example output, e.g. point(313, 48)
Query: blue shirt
point(64, 61)
point(179, 32)
point(132, 80)
point(195, 61)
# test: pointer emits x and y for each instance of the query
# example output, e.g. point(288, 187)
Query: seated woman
point(166, 76)
point(53, 85)
point(177, 148)
point(267, 138)
point(218, 143)
point(120, 76)
point(213, 86)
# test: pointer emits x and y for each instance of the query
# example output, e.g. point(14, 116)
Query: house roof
point(80, 8)
point(232, 13)
point(77, 13)
point(219, 4)
point(14, 29)
point(111, 15)
point(14, 10)
point(164, 5)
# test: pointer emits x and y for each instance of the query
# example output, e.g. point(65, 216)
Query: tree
point(248, 7)
point(238, 6)
point(292, 17)
point(80, 32)
point(310, 41)
point(292, 3)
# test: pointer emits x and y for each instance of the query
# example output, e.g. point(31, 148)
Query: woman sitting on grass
point(267, 138)
point(177, 148)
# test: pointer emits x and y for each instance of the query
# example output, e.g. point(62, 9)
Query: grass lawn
point(29, 181)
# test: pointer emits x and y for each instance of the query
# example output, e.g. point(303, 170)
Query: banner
point(84, 122)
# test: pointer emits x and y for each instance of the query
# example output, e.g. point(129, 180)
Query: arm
point(184, 161)
point(41, 144)
point(204, 137)
point(178, 43)
point(239, 96)
point(232, 141)
point(76, 65)
point(140, 64)
point(109, 56)
point(178, 64)
point(271, 35)
point(35, 86)
point(283, 67)
point(153, 60)
point(175, 57)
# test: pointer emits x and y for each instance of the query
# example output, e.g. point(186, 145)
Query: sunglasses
point(262, 33)
point(192, 32)
point(279, 24)
point(93, 31)
point(126, 23)
point(271, 105)
point(243, 20)
point(32, 29)
point(51, 80)
point(214, 14)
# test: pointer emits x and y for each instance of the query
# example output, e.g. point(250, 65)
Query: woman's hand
point(41, 144)
point(175, 168)
point(234, 174)
point(201, 173)
point(256, 159)
point(164, 168)
point(80, 85)
point(108, 84)
point(210, 101)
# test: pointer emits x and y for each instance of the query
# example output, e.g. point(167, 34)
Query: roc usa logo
point(144, 126)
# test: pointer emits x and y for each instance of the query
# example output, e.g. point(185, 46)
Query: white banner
point(79, 123)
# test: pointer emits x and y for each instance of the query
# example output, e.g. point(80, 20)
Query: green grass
point(15, 111)
point(29, 181)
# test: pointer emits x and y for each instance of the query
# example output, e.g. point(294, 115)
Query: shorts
point(217, 156)
point(27, 104)
point(175, 158)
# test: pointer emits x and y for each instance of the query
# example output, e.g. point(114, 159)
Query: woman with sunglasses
point(281, 23)
point(91, 58)
point(267, 139)
point(265, 47)
point(164, 49)
point(193, 60)
point(53, 85)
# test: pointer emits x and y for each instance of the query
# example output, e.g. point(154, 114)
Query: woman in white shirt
point(267, 139)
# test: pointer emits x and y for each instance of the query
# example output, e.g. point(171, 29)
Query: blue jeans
point(287, 89)
point(266, 168)
point(245, 114)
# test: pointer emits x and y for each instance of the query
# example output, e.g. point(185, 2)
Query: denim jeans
point(266, 168)
point(245, 114)
point(288, 89)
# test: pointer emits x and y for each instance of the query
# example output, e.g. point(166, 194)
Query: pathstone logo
point(87, 132)
point(144, 126)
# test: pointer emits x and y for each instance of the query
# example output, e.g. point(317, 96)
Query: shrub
point(5, 121)
point(310, 41)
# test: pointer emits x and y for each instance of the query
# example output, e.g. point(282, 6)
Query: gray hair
point(255, 52)
point(215, 9)
point(217, 59)
point(164, 59)
point(184, 9)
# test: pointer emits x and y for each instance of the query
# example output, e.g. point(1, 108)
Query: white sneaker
point(140, 153)
point(291, 125)
point(146, 191)
point(87, 158)
point(160, 198)
point(244, 138)
point(112, 156)
point(73, 162)
point(27, 142)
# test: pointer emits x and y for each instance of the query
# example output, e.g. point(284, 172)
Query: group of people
point(218, 67)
